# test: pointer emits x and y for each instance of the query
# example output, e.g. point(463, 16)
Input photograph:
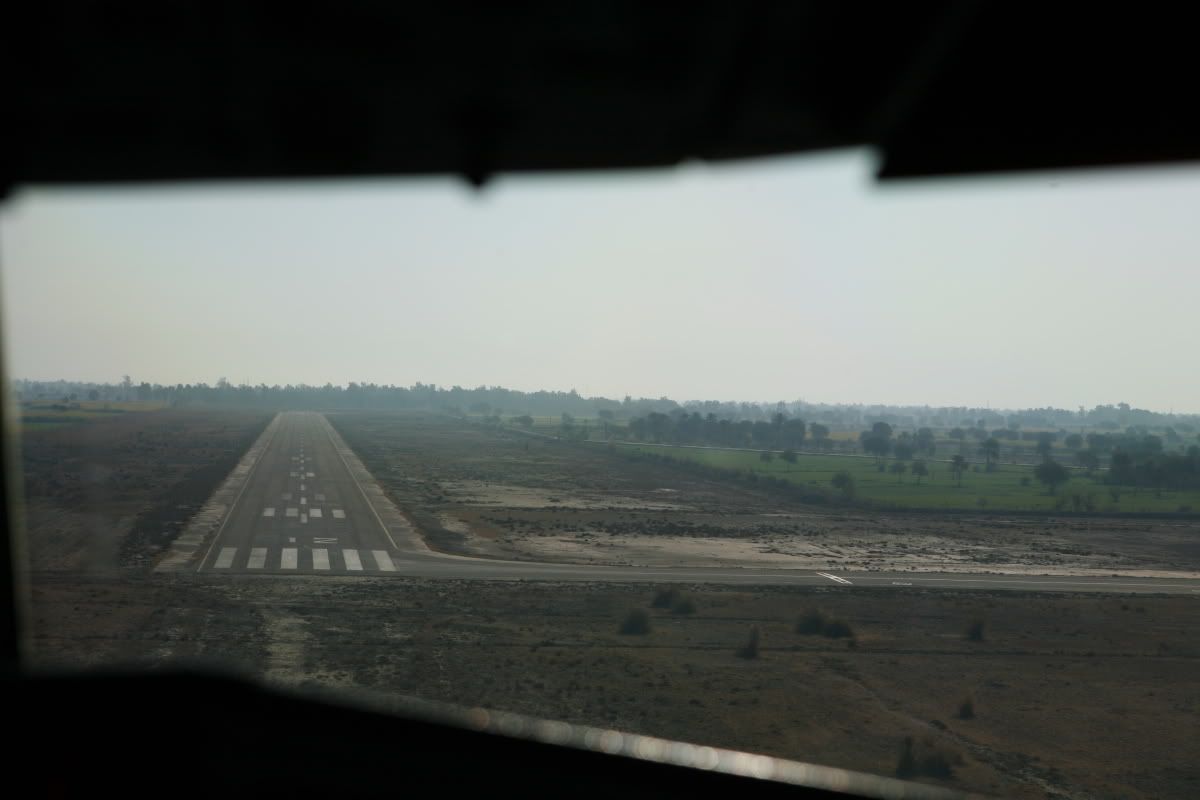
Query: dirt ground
point(1071, 695)
point(111, 493)
point(478, 492)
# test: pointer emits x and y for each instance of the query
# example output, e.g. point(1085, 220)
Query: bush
point(684, 606)
point(966, 709)
point(750, 648)
point(975, 631)
point(931, 762)
point(637, 623)
point(811, 623)
point(836, 629)
point(814, 623)
point(665, 598)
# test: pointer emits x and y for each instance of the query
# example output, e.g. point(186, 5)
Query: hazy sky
point(782, 279)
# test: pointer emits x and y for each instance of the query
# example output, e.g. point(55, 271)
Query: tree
point(958, 465)
point(959, 435)
point(789, 456)
point(990, 450)
point(1045, 445)
point(920, 470)
point(844, 482)
point(1087, 459)
point(898, 468)
point(925, 441)
point(1073, 441)
point(1051, 473)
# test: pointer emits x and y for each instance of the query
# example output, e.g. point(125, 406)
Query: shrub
point(665, 598)
point(684, 606)
point(814, 623)
point(836, 629)
point(750, 648)
point(811, 623)
point(637, 623)
point(975, 631)
point(966, 709)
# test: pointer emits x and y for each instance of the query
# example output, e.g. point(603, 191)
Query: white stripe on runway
point(303, 501)
point(225, 560)
point(258, 558)
point(314, 513)
point(302, 487)
point(289, 559)
point(320, 558)
point(383, 560)
point(339, 514)
point(312, 474)
point(304, 518)
point(834, 578)
point(320, 498)
point(352, 560)
point(268, 512)
point(292, 512)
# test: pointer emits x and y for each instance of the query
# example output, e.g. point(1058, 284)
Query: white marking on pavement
point(287, 495)
point(324, 540)
point(304, 518)
point(292, 539)
point(339, 514)
point(289, 558)
point(314, 513)
point(352, 560)
point(258, 558)
point(320, 558)
point(834, 578)
point(312, 474)
point(268, 512)
point(303, 501)
point(383, 560)
point(291, 512)
point(225, 560)
point(302, 487)
point(320, 498)
point(293, 474)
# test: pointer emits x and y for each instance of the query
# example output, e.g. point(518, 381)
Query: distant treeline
point(495, 400)
point(482, 400)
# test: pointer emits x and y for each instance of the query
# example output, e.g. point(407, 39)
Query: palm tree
point(990, 449)
point(958, 465)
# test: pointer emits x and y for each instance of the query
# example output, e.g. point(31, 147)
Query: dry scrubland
point(1071, 696)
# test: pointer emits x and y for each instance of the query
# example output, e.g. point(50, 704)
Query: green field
point(1000, 490)
point(43, 415)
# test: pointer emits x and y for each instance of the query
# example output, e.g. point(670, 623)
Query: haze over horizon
point(784, 279)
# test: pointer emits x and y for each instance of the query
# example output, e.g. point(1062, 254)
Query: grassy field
point(36, 416)
point(1008, 488)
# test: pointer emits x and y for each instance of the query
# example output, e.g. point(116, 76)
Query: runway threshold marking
point(353, 562)
point(225, 560)
point(835, 578)
point(258, 558)
point(320, 558)
point(269, 511)
point(383, 560)
point(289, 558)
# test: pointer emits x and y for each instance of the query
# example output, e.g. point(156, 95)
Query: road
point(304, 509)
